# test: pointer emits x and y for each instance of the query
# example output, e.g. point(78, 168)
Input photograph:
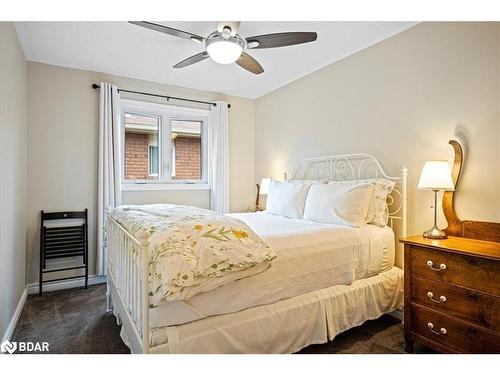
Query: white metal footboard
point(128, 282)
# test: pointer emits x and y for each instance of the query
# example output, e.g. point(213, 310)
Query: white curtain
point(109, 179)
point(219, 158)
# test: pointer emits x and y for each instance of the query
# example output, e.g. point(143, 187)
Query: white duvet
point(193, 250)
point(309, 256)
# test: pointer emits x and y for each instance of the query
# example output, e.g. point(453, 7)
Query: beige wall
point(400, 100)
point(63, 140)
point(241, 154)
point(13, 104)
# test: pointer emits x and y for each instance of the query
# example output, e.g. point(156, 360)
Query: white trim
point(15, 317)
point(65, 284)
point(152, 174)
point(171, 186)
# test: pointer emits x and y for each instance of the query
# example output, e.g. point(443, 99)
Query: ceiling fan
point(226, 46)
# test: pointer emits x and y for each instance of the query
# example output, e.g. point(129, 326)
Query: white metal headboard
point(357, 167)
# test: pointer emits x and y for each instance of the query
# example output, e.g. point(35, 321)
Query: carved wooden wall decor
point(480, 230)
point(454, 223)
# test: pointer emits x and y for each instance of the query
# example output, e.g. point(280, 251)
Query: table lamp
point(436, 176)
point(262, 189)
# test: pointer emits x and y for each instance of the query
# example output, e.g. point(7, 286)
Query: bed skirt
point(288, 325)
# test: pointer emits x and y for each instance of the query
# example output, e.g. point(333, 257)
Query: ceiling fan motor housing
point(217, 36)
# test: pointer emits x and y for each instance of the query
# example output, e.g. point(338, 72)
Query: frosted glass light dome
point(224, 51)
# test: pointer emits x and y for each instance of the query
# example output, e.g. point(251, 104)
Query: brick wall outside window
point(136, 156)
point(187, 158)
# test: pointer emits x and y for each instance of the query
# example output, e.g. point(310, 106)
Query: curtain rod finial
point(95, 86)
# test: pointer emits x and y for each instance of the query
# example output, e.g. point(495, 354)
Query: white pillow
point(287, 198)
point(378, 213)
point(338, 204)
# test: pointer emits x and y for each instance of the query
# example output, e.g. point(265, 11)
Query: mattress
point(309, 256)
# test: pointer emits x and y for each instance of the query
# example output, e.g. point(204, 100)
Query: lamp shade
point(436, 175)
point(264, 186)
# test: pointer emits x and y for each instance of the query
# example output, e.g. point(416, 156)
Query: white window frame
point(167, 113)
point(152, 174)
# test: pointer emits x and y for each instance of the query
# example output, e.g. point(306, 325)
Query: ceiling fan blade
point(249, 63)
point(192, 60)
point(280, 39)
point(169, 30)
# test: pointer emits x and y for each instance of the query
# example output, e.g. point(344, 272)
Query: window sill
point(159, 187)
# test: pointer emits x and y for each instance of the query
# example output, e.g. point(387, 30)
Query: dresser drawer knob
point(442, 331)
point(442, 266)
point(431, 297)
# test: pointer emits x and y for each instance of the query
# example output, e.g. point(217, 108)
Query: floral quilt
point(191, 247)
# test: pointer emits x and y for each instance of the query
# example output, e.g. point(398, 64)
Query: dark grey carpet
point(75, 321)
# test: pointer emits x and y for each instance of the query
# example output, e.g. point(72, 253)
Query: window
point(141, 141)
point(163, 145)
point(153, 161)
point(186, 149)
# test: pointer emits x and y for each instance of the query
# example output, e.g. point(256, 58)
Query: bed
point(325, 279)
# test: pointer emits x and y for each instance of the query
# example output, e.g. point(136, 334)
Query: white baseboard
point(15, 317)
point(65, 284)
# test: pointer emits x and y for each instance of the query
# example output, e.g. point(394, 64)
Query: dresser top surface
point(462, 245)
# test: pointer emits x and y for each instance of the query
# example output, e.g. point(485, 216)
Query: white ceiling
point(123, 49)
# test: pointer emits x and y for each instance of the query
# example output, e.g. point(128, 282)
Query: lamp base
point(435, 233)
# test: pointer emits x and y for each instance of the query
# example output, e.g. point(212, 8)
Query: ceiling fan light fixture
point(223, 49)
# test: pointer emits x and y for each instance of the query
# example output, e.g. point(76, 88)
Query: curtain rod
point(168, 97)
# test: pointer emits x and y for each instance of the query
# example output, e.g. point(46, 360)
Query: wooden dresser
point(452, 294)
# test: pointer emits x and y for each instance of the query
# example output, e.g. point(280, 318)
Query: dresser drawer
point(479, 308)
point(473, 272)
point(453, 333)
